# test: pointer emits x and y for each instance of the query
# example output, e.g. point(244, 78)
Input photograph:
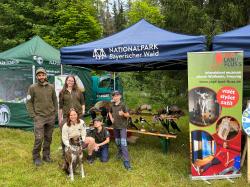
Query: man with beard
point(42, 107)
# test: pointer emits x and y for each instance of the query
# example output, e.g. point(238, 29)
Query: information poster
point(215, 81)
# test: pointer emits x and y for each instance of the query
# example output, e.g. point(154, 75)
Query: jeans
point(215, 161)
point(121, 142)
point(103, 153)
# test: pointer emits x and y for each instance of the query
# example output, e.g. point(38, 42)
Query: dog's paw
point(71, 178)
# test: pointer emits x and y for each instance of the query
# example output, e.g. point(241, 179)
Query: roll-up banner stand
point(215, 81)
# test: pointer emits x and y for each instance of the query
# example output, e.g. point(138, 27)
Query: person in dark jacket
point(70, 97)
point(101, 136)
point(42, 107)
point(119, 117)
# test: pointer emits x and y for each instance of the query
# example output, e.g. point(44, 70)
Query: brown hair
point(75, 89)
point(68, 117)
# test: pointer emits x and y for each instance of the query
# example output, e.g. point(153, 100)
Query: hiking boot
point(37, 162)
point(47, 159)
point(90, 159)
point(127, 165)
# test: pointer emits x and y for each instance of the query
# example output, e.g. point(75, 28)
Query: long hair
point(68, 117)
point(75, 88)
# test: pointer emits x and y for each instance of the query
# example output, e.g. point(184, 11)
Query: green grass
point(150, 166)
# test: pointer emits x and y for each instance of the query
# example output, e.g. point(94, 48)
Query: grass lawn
point(150, 166)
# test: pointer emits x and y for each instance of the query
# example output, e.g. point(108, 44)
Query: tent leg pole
point(114, 81)
point(33, 74)
point(61, 69)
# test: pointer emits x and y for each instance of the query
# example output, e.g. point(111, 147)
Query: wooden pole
point(243, 157)
point(248, 159)
point(248, 152)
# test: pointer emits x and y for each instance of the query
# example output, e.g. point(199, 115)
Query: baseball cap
point(41, 70)
point(116, 92)
point(99, 118)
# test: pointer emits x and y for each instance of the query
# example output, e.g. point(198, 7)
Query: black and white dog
point(74, 157)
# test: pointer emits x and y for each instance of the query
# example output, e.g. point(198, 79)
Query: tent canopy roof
point(142, 46)
point(235, 40)
point(32, 52)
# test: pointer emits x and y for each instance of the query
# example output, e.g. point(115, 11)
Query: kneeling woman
point(76, 127)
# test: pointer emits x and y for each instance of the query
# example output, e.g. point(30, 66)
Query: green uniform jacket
point(71, 100)
point(100, 136)
point(41, 100)
point(120, 122)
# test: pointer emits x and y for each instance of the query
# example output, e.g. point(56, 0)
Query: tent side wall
point(15, 80)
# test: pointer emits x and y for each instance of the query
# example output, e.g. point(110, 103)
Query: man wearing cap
point(119, 116)
point(101, 136)
point(42, 107)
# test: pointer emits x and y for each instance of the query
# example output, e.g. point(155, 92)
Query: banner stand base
point(205, 178)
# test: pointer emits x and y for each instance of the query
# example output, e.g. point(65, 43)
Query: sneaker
point(97, 154)
point(127, 165)
point(90, 159)
point(47, 159)
point(37, 162)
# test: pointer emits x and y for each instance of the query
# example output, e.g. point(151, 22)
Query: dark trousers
point(103, 153)
point(215, 161)
point(121, 142)
point(43, 131)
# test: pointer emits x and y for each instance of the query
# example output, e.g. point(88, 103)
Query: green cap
point(41, 70)
point(99, 118)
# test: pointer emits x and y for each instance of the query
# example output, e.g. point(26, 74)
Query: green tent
point(17, 73)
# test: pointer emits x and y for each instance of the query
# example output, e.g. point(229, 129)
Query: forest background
point(71, 22)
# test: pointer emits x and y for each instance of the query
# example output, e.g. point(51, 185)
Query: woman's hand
point(96, 147)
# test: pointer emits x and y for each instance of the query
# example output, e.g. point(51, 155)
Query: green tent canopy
point(33, 52)
point(17, 69)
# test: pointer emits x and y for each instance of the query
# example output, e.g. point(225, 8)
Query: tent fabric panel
point(139, 45)
point(25, 52)
point(139, 33)
point(235, 40)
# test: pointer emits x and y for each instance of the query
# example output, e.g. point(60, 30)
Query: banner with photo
point(215, 81)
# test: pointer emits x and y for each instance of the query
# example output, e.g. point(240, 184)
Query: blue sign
point(246, 121)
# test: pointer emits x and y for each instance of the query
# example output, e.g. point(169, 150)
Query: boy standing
point(101, 136)
point(118, 115)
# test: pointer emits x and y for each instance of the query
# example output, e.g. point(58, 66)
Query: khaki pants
point(43, 131)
